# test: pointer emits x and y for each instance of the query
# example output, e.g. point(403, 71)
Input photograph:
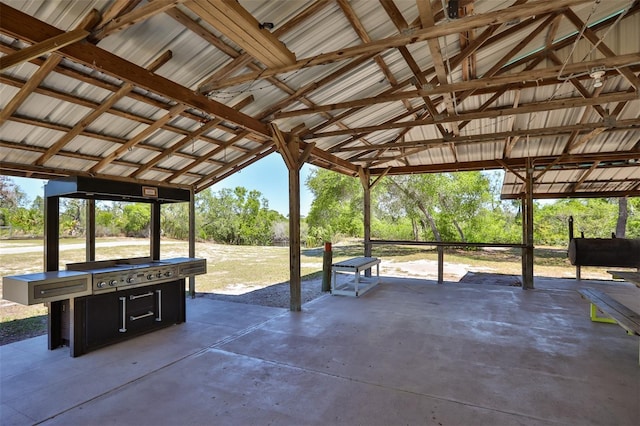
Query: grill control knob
point(131, 280)
point(150, 276)
point(159, 275)
point(168, 274)
point(101, 284)
point(113, 283)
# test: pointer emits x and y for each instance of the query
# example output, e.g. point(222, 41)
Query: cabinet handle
point(140, 296)
point(123, 329)
point(159, 317)
point(148, 314)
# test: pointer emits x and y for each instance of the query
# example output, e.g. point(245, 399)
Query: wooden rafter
point(466, 37)
point(202, 158)
point(196, 134)
point(46, 46)
point(175, 110)
point(359, 28)
point(487, 38)
point(89, 158)
point(231, 19)
point(26, 90)
point(49, 65)
point(489, 113)
point(536, 8)
point(123, 21)
point(241, 59)
point(496, 82)
point(25, 27)
point(428, 21)
point(117, 8)
point(139, 97)
point(601, 46)
point(515, 163)
point(585, 175)
point(347, 134)
point(93, 115)
point(226, 171)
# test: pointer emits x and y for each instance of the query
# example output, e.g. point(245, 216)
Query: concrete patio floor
point(407, 352)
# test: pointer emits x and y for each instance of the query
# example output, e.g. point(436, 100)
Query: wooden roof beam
point(89, 158)
point(173, 112)
point(232, 20)
point(134, 16)
point(520, 11)
point(117, 8)
point(243, 59)
point(428, 21)
point(49, 64)
point(490, 113)
point(104, 106)
point(515, 163)
point(600, 45)
point(39, 49)
point(205, 127)
point(576, 194)
point(357, 26)
point(226, 171)
point(25, 27)
point(481, 83)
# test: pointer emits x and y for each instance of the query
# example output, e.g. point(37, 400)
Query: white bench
point(358, 285)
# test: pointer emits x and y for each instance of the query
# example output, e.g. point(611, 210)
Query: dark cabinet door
point(116, 316)
point(103, 317)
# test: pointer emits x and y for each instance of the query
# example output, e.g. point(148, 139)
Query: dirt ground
point(267, 294)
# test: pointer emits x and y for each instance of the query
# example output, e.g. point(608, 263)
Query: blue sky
point(268, 175)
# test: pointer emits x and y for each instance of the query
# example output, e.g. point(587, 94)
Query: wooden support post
point(90, 231)
point(192, 239)
point(327, 260)
point(155, 231)
point(440, 264)
point(365, 180)
point(366, 186)
point(293, 158)
point(295, 281)
point(51, 233)
point(51, 259)
point(527, 218)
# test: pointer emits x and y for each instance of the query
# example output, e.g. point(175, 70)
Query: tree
point(445, 206)
point(174, 220)
point(337, 205)
point(418, 195)
point(236, 216)
point(593, 217)
point(136, 219)
point(72, 216)
point(621, 224)
point(11, 197)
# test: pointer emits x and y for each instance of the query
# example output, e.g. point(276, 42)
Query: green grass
point(251, 267)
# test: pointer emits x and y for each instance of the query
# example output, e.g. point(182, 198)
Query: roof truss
point(454, 94)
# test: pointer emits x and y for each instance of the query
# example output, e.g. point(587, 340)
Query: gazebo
point(185, 93)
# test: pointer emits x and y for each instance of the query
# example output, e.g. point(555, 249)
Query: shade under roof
point(159, 92)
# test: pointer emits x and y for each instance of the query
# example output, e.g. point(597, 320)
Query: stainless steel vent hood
point(101, 189)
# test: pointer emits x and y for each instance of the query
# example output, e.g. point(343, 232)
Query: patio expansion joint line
point(395, 389)
point(228, 339)
point(240, 333)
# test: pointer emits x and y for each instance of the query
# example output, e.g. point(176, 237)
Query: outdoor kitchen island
point(100, 302)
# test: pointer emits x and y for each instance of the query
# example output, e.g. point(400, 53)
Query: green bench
point(617, 312)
